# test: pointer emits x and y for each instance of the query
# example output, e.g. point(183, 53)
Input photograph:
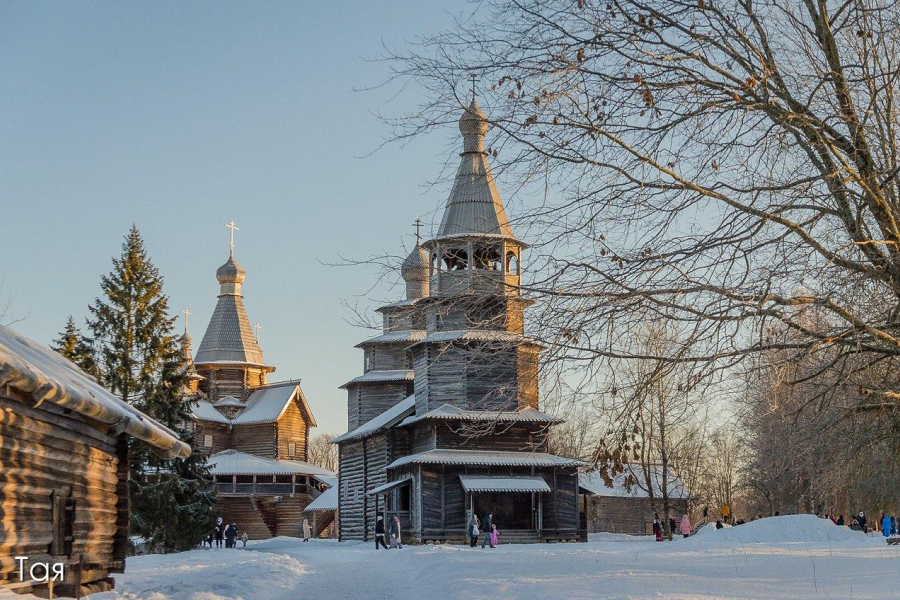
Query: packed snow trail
point(705, 567)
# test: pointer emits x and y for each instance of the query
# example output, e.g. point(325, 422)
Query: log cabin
point(445, 421)
point(64, 471)
point(255, 432)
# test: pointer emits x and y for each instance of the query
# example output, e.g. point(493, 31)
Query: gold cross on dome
point(230, 225)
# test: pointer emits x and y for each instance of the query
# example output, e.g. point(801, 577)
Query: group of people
point(227, 533)
point(487, 527)
point(393, 531)
point(684, 527)
point(887, 524)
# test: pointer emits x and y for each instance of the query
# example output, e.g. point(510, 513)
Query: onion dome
point(415, 267)
point(231, 272)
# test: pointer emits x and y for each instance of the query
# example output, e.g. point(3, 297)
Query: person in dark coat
point(219, 532)
point(719, 524)
point(487, 526)
point(673, 525)
point(231, 536)
point(379, 533)
point(473, 530)
point(861, 520)
point(840, 520)
point(394, 530)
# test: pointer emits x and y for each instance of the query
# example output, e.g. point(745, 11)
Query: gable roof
point(46, 376)
point(203, 410)
point(386, 419)
point(233, 462)
point(267, 404)
point(328, 500)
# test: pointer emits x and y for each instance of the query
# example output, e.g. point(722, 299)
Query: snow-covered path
point(833, 563)
point(282, 568)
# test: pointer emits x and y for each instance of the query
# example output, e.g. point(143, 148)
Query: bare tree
point(725, 166)
point(322, 452)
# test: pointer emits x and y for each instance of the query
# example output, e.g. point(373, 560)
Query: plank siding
point(291, 428)
point(351, 493)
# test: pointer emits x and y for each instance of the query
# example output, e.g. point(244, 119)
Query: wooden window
point(292, 449)
point(207, 441)
point(63, 522)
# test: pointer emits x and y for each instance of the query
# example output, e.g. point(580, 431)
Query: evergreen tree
point(73, 345)
point(142, 362)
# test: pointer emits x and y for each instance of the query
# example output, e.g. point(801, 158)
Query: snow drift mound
point(788, 528)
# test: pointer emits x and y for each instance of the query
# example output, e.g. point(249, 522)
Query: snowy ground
point(835, 563)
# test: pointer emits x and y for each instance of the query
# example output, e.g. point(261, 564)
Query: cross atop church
point(257, 327)
point(230, 225)
point(418, 225)
point(186, 314)
point(474, 79)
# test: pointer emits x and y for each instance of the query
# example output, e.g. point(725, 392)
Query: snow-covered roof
point(267, 404)
point(228, 401)
point(389, 486)
point(478, 483)
point(593, 482)
point(399, 304)
point(385, 419)
point(383, 376)
point(232, 462)
point(395, 337)
point(477, 335)
point(205, 411)
point(450, 412)
point(486, 458)
point(328, 500)
point(47, 376)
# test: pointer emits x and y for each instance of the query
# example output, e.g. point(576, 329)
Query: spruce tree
point(73, 345)
point(142, 362)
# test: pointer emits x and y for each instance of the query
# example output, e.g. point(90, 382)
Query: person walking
point(673, 526)
point(657, 528)
point(244, 538)
point(473, 530)
point(886, 527)
point(379, 533)
point(685, 527)
point(495, 535)
point(231, 536)
point(488, 526)
point(396, 542)
point(306, 530)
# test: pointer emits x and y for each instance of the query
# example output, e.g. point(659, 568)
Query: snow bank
point(618, 537)
point(773, 530)
point(209, 575)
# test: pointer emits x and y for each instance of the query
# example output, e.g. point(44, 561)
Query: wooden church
point(445, 420)
point(255, 432)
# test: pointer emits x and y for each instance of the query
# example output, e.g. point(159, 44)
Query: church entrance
point(512, 510)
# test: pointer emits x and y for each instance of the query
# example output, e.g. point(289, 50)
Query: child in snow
point(306, 530)
point(886, 526)
point(495, 536)
point(685, 527)
point(657, 529)
point(244, 538)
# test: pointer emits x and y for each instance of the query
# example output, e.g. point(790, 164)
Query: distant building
point(445, 420)
point(255, 432)
point(64, 475)
point(623, 508)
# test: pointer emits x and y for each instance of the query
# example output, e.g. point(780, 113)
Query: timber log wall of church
point(386, 357)
point(367, 401)
point(255, 439)
point(52, 459)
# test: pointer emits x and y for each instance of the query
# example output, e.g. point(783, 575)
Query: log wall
point(255, 439)
point(633, 516)
point(291, 428)
point(51, 459)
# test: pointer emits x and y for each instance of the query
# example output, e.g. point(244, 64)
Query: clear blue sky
point(181, 116)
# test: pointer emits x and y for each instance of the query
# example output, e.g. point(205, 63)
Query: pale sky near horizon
point(182, 116)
